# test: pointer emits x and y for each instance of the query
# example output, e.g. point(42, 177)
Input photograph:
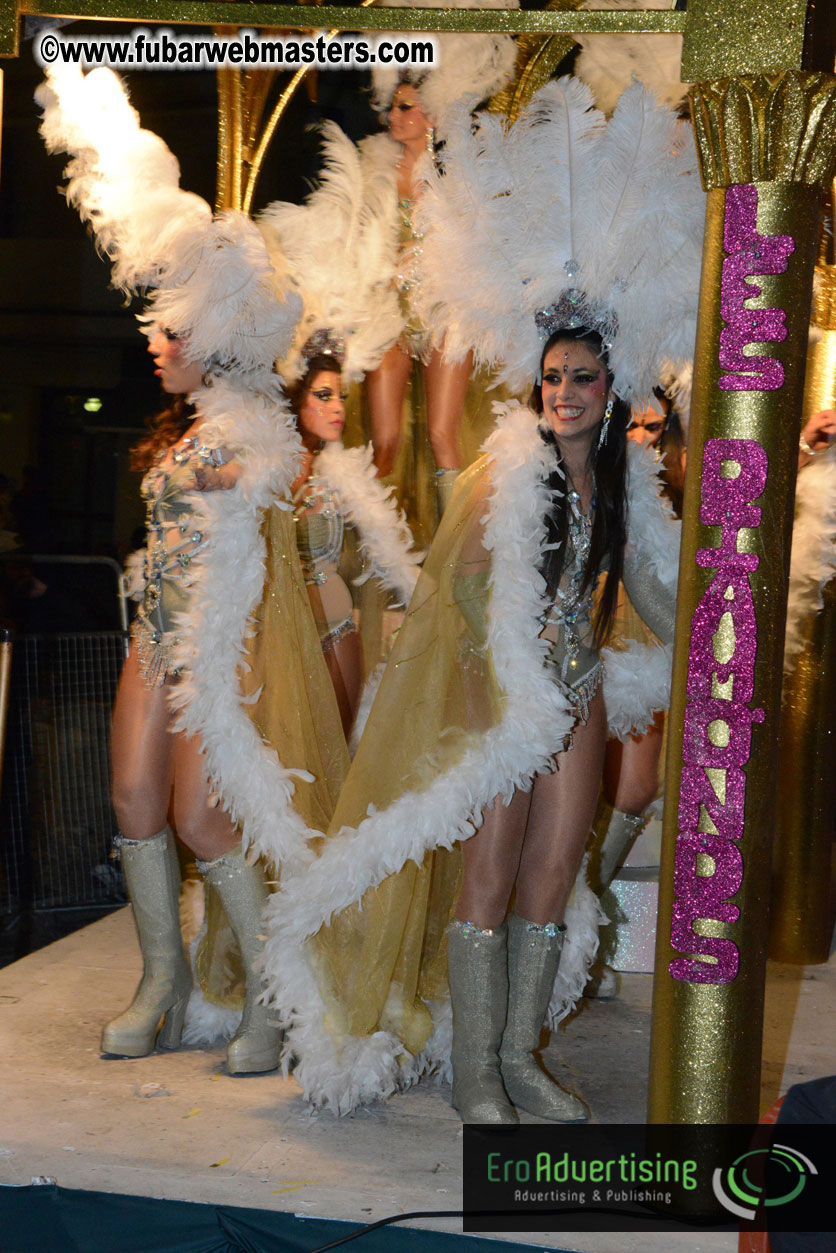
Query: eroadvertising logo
point(605, 1177)
point(747, 1192)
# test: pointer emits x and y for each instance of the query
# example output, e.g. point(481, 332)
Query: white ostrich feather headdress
point(210, 278)
point(337, 249)
point(609, 63)
point(571, 217)
point(468, 65)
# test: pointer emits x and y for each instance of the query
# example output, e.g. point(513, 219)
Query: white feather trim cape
point(536, 718)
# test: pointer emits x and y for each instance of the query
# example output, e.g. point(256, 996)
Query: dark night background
point(66, 337)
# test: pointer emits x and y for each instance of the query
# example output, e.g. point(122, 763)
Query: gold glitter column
point(767, 146)
point(801, 922)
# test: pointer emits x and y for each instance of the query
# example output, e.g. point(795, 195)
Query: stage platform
point(175, 1126)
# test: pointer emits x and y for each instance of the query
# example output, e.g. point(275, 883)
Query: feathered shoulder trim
point(371, 508)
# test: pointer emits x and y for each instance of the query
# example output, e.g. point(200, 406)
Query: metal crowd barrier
point(56, 696)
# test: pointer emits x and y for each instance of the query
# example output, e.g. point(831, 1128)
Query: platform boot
point(533, 958)
point(478, 969)
point(607, 856)
point(243, 891)
point(152, 874)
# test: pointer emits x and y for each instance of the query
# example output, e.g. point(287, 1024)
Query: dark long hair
point(296, 392)
point(164, 429)
point(609, 466)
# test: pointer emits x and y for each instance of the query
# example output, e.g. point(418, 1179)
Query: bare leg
point(344, 659)
point(631, 769)
point(142, 750)
point(490, 860)
point(387, 392)
point(561, 815)
point(203, 827)
point(446, 390)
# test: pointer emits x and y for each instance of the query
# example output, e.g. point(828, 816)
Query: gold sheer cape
point(467, 710)
point(383, 958)
point(296, 713)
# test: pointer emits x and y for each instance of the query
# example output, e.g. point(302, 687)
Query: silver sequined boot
point(243, 891)
point(607, 855)
point(609, 852)
point(533, 958)
point(479, 996)
point(445, 481)
point(152, 875)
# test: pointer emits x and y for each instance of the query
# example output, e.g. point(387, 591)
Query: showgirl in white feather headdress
point(420, 106)
point(468, 65)
point(218, 495)
point(480, 766)
point(567, 220)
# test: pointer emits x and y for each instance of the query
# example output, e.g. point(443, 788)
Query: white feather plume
point(343, 1073)
point(565, 200)
point(469, 65)
point(338, 249)
point(371, 507)
point(610, 63)
point(211, 277)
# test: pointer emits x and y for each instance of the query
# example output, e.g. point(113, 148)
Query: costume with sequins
point(320, 532)
point(174, 540)
point(475, 701)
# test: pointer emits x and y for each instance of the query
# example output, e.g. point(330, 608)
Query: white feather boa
point(637, 678)
point(252, 416)
point(813, 560)
point(372, 509)
point(535, 722)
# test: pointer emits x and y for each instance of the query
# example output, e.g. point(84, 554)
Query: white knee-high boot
point(243, 891)
point(152, 875)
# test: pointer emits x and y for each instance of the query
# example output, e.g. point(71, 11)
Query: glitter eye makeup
point(583, 377)
point(405, 108)
point(325, 393)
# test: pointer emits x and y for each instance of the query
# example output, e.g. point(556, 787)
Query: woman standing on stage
point(417, 106)
point(184, 743)
point(480, 766)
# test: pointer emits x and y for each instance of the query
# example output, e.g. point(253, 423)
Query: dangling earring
point(605, 425)
point(431, 141)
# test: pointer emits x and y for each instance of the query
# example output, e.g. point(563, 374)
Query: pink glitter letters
point(748, 253)
point(718, 718)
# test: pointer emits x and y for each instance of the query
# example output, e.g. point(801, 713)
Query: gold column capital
point(766, 128)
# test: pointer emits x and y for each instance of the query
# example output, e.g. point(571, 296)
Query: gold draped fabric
point(296, 713)
point(380, 960)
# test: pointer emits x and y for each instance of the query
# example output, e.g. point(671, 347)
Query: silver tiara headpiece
point(324, 342)
point(573, 309)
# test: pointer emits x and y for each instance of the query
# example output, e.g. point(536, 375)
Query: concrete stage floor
point(174, 1125)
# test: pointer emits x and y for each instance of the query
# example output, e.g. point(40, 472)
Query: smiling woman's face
point(574, 390)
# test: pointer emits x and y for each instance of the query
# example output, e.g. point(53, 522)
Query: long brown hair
point(164, 429)
point(296, 392)
point(609, 526)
